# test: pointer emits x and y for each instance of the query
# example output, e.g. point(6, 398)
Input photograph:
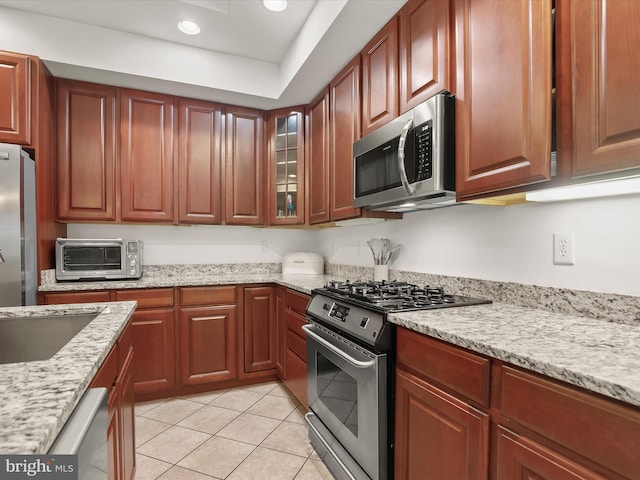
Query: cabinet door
point(317, 144)
point(86, 163)
point(281, 331)
point(285, 130)
point(146, 156)
point(244, 170)
point(437, 433)
point(345, 129)
point(59, 298)
point(522, 459)
point(15, 109)
point(259, 329)
point(199, 162)
point(424, 51)
point(208, 338)
point(503, 94)
point(602, 66)
point(114, 460)
point(125, 387)
point(154, 346)
point(380, 78)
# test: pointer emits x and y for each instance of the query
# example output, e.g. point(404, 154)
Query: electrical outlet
point(264, 246)
point(564, 249)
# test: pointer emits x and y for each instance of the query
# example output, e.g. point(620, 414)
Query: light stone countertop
point(601, 356)
point(37, 398)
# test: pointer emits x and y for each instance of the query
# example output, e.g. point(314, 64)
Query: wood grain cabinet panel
point(244, 170)
point(86, 133)
point(259, 329)
point(318, 150)
point(199, 162)
point(344, 122)
point(601, 129)
point(281, 332)
point(424, 51)
point(380, 78)
point(437, 435)
point(125, 387)
point(15, 92)
point(59, 298)
point(503, 94)
point(146, 156)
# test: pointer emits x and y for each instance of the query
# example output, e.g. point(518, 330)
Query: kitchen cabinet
point(86, 151)
point(59, 298)
point(285, 133)
point(259, 328)
point(344, 123)
point(445, 433)
point(146, 156)
point(598, 96)
point(296, 345)
point(380, 78)
point(425, 40)
point(503, 94)
point(154, 334)
point(208, 335)
point(281, 331)
point(199, 162)
point(15, 91)
point(115, 374)
point(318, 151)
point(244, 170)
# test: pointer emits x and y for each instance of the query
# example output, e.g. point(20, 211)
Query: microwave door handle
point(353, 361)
point(401, 168)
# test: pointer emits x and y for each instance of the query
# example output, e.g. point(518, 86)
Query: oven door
point(348, 393)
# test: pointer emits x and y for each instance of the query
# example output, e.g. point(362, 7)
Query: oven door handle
point(353, 361)
point(408, 188)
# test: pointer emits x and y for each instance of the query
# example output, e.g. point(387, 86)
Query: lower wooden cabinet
point(296, 345)
point(437, 435)
point(281, 331)
point(259, 329)
point(59, 298)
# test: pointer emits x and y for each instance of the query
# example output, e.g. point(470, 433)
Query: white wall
point(512, 244)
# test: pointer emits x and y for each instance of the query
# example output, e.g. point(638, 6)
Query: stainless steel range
point(350, 361)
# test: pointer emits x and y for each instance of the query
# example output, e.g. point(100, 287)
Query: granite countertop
point(601, 356)
point(37, 398)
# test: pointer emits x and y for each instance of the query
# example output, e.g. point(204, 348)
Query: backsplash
point(603, 306)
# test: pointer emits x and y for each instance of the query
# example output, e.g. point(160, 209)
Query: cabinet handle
point(403, 172)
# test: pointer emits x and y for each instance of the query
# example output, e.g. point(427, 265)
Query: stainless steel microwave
point(98, 259)
point(409, 163)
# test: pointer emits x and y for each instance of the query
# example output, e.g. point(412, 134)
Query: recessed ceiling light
point(275, 5)
point(188, 27)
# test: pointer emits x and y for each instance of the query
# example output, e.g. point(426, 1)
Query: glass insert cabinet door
point(286, 166)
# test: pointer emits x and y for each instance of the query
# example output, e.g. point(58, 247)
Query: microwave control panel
point(424, 147)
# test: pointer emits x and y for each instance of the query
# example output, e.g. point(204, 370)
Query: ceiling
point(244, 55)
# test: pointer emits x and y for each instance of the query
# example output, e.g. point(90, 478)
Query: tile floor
point(247, 433)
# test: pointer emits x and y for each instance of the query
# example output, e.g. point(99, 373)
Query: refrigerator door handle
point(1, 257)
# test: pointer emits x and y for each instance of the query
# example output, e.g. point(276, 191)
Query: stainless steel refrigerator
point(18, 262)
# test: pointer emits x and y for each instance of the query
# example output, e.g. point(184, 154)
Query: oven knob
point(132, 263)
point(325, 306)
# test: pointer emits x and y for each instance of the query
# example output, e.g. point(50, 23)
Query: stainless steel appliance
point(85, 435)
point(350, 361)
point(409, 163)
point(98, 259)
point(18, 260)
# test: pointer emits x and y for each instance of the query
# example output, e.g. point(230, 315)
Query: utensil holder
point(380, 273)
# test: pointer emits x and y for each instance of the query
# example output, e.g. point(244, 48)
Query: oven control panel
point(339, 312)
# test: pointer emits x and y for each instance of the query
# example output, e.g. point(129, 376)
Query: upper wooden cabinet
point(344, 114)
point(286, 162)
point(199, 162)
point(15, 91)
point(503, 94)
point(317, 147)
point(244, 170)
point(86, 148)
point(598, 93)
point(380, 78)
point(424, 50)
point(146, 156)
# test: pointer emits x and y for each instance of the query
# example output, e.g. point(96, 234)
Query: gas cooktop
point(395, 296)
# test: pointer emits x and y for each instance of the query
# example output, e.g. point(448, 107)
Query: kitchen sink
point(29, 339)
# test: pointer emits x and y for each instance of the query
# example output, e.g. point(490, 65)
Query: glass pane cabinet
point(286, 166)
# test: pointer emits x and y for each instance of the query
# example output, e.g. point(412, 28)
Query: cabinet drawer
point(598, 429)
point(208, 295)
point(461, 371)
point(108, 371)
point(295, 323)
point(297, 302)
point(125, 343)
point(297, 377)
point(75, 297)
point(148, 297)
point(297, 345)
